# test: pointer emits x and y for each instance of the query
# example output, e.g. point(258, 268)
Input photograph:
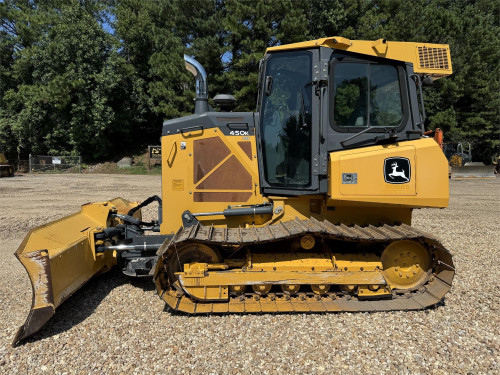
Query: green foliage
point(252, 27)
point(98, 78)
point(200, 26)
point(153, 52)
point(63, 82)
point(465, 105)
point(346, 101)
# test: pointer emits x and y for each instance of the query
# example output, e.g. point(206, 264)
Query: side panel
point(205, 171)
point(368, 165)
point(379, 175)
point(321, 208)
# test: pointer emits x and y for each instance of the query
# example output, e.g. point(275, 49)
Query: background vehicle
point(304, 205)
point(461, 163)
point(495, 160)
point(6, 170)
point(457, 156)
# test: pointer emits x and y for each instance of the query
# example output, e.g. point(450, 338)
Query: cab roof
point(428, 59)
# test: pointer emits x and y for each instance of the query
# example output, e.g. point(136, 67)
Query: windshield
point(286, 121)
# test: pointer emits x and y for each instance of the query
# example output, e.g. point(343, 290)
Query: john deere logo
point(397, 170)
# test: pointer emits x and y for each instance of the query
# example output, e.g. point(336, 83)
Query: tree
point(252, 27)
point(477, 75)
point(328, 18)
point(65, 81)
point(99, 77)
point(200, 26)
point(153, 52)
point(465, 105)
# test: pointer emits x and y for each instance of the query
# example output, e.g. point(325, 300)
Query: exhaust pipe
point(197, 70)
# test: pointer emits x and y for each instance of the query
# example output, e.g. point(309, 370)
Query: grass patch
point(112, 168)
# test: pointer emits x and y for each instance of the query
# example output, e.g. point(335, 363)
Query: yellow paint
point(290, 270)
point(213, 286)
point(364, 212)
point(178, 187)
point(307, 242)
point(372, 291)
point(405, 264)
point(291, 261)
point(428, 186)
point(376, 200)
point(357, 262)
point(456, 161)
point(67, 245)
point(402, 51)
point(177, 184)
point(6, 170)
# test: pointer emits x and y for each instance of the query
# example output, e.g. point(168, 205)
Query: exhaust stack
point(197, 70)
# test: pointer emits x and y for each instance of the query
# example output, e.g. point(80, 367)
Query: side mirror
point(428, 81)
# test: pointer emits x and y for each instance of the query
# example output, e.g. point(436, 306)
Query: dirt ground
point(118, 325)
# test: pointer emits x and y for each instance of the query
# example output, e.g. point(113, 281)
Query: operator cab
point(320, 100)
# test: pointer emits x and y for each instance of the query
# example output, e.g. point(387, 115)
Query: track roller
point(320, 289)
point(290, 289)
point(262, 289)
point(237, 289)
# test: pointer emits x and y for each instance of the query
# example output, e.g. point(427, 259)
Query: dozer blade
point(473, 171)
point(60, 257)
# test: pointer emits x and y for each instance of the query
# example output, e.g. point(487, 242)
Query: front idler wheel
point(405, 264)
point(191, 253)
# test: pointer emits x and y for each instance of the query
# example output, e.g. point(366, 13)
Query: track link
point(430, 293)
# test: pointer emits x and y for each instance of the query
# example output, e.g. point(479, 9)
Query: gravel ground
point(117, 325)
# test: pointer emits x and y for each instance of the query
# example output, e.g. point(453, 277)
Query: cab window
point(366, 95)
point(285, 126)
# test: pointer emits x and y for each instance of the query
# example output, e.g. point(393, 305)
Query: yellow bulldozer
point(459, 156)
point(6, 169)
point(304, 205)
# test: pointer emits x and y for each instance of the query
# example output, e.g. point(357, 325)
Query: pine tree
point(465, 105)
point(252, 27)
point(66, 71)
point(98, 78)
point(154, 55)
point(200, 25)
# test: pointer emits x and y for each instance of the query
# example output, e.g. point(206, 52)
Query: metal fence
point(39, 163)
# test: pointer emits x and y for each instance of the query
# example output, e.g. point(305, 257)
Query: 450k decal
point(238, 132)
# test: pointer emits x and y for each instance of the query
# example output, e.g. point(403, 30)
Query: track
point(428, 293)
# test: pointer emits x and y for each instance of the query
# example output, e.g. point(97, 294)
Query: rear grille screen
point(433, 58)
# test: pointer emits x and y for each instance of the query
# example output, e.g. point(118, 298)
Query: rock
point(125, 162)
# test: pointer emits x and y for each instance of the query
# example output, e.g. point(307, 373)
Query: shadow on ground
point(84, 302)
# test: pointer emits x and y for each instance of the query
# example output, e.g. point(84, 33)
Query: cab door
point(289, 124)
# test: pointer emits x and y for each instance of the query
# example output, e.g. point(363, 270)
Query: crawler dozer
point(461, 163)
point(304, 205)
point(6, 169)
